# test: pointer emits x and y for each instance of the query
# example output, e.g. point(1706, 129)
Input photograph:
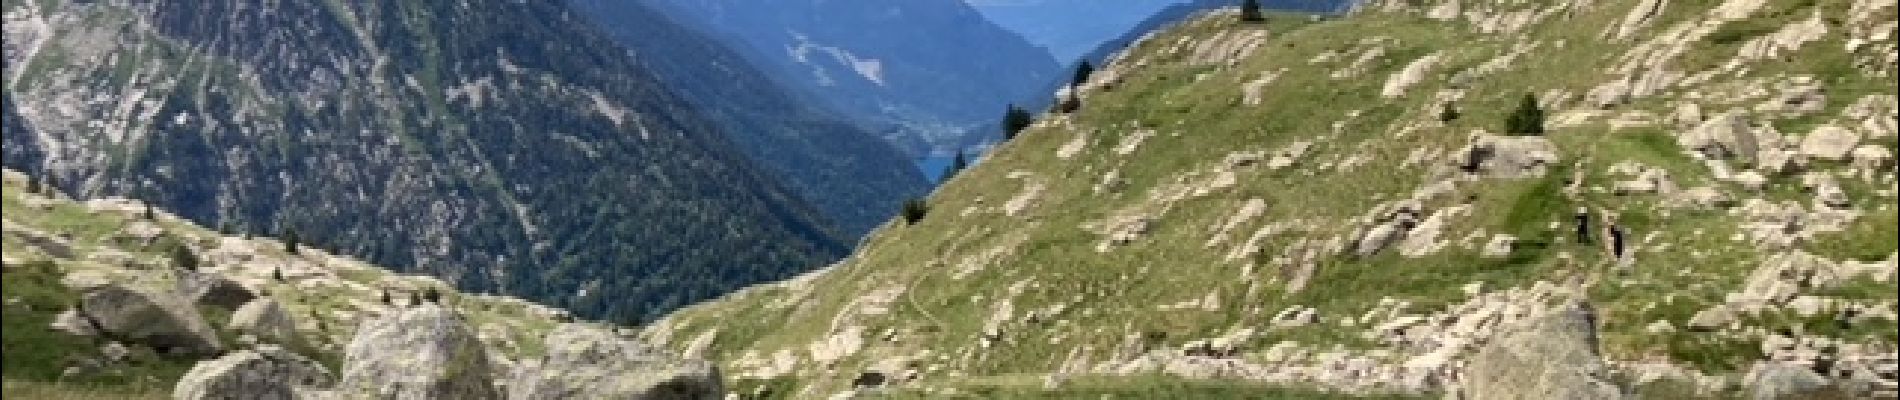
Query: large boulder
point(213, 290)
point(267, 373)
point(1727, 136)
point(425, 352)
point(1509, 156)
point(1772, 380)
point(590, 362)
point(1553, 356)
point(265, 318)
point(1829, 142)
point(160, 320)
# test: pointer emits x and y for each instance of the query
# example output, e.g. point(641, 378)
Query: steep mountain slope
point(98, 290)
point(504, 146)
point(851, 174)
point(1289, 203)
point(924, 72)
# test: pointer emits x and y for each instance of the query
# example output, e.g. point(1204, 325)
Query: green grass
point(1196, 111)
point(1872, 237)
point(1130, 387)
point(36, 355)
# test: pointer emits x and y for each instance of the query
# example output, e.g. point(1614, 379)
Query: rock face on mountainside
point(507, 147)
point(923, 73)
point(425, 352)
point(265, 373)
point(1552, 357)
point(591, 362)
point(1347, 203)
point(849, 172)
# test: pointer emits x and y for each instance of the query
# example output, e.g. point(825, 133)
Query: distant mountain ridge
point(504, 146)
point(853, 175)
point(932, 70)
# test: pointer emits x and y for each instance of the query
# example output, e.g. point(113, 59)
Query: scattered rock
point(213, 290)
point(1510, 156)
point(1500, 246)
point(1550, 357)
point(74, 324)
point(1829, 142)
point(1411, 75)
point(138, 234)
point(1872, 158)
point(587, 362)
point(1772, 380)
point(265, 318)
point(1728, 136)
point(267, 373)
point(159, 320)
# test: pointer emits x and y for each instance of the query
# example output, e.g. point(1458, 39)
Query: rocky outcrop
point(1411, 75)
point(1509, 156)
point(426, 352)
point(1726, 136)
point(1551, 357)
point(160, 320)
point(1772, 380)
point(267, 373)
point(590, 362)
point(213, 290)
point(266, 319)
point(1829, 142)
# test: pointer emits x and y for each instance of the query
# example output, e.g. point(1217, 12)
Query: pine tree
point(1527, 120)
point(290, 240)
point(277, 274)
point(1015, 119)
point(914, 210)
point(32, 183)
point(149, 214)
point(415, 299)
point(432, 295)
point(387, 300)
point(956, 165)
point(1250, 11)
point(1082, 72)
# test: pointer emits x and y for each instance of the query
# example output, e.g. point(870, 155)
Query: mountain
point(922, 73)
point(114, 298)
point(1183, 10)
point(507, 147)
point(1068, 28)
point(852, 175)
point(1697, 201)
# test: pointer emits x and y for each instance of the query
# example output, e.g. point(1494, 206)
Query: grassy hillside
point(54, 246)
point(1221, 176)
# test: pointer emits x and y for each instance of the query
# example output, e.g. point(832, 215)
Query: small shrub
point(183, 258)
point(1527, 120)
point(914, 210)
point(1250, 11)
point(290, 241)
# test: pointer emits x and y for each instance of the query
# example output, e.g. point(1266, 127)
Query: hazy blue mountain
point(504, 145)
point(922, 72)
point(1068, 28)
point(851, 174)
